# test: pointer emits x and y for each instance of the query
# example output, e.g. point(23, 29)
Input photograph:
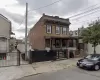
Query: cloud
point(22, 30)
point(15, 10)
point(13, 16)
point(61, 8)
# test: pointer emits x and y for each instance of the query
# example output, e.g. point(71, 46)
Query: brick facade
point(38, 33)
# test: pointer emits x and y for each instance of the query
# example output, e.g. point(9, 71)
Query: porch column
point(74, 42)
point(61, 43)
point(50, 43)
point(68, 54)
point(67, 43)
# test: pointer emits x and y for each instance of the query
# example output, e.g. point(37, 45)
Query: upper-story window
point(64, 30)
point(57, 29)
point(48, 28)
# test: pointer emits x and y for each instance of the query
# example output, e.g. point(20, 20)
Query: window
point(57, 30)
point(48, 28)
point(64, 30)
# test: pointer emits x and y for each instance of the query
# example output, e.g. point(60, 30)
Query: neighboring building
point(76, 33)
point(21, 45)
point(88, 48)
point(52, 33)
point(5, 33)
point(82, 47)
point(12, 44)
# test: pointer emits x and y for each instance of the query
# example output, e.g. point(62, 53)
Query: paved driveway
point(73, 73)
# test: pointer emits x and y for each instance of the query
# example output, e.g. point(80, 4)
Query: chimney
point(56, 16)
point(43, 14)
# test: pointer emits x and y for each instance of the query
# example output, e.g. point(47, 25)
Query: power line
point(90, 7)
point(41, 8)
point(87, 20)
point(46, 5)
point(22, 22)
point(85, 23)
point(84, 12)
point(71, 16)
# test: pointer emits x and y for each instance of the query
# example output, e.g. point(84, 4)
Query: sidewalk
point(15, 72)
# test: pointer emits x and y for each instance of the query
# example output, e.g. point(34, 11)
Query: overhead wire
point(70, 16)
point(42, 7)
point(45, 5)
point(84, 12)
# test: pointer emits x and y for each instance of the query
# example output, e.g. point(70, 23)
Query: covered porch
point(65, 46)
point(61, 42)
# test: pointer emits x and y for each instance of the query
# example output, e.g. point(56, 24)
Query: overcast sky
point(14, 10)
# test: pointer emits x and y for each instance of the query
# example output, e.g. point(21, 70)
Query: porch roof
point(60, 37)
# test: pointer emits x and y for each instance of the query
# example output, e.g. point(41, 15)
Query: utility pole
point(26, 31)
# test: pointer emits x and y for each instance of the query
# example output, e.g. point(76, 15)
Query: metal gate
point(11, 59)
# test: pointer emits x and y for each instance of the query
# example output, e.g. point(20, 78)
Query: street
point(66, 74)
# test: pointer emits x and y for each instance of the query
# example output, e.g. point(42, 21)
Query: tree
point(92, 34)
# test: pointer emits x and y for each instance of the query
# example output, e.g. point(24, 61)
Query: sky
point(14, 10)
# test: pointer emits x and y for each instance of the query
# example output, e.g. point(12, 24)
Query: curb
point(68, 66)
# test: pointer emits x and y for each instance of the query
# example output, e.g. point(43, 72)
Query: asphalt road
point(67, 74)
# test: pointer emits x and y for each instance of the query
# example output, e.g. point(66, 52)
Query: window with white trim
point(57, 30)
point(64, 30)
point(48, 29)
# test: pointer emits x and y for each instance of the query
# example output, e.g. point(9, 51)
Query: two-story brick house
point(52, 32)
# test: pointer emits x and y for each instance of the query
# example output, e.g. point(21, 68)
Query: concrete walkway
point(15, 72)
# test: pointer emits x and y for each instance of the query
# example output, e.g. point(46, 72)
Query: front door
point(57, 43)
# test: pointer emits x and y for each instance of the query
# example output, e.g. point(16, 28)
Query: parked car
point(91, 61)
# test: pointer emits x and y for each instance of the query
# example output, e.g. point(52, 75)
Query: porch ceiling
point(61, 37)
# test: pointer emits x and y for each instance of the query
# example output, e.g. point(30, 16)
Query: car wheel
point(96, 67)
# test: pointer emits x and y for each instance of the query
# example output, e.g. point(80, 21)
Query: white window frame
point(64, 30)
point(48, 27)
point(58, 29)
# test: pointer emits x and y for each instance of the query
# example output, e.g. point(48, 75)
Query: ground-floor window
point(2, 56)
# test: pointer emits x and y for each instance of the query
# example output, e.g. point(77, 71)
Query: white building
point(89, 49)
point(5, 33)
point(76, 33)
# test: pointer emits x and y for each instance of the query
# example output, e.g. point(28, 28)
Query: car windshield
point(93, 57)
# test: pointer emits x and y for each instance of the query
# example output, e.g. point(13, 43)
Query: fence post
point(18, 57)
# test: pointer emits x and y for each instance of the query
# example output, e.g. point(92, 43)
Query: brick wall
point(36, 36)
